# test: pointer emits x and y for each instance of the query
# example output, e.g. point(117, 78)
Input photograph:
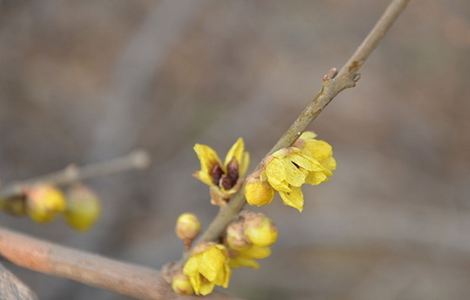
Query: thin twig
point(91, 269)
point(333, 84)
point(135, 160)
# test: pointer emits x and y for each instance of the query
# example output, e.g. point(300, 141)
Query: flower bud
point(235, 237)
point(181, 284)
point(44, 202)
point(83, 208)
point(187, 227)
point(258, 192)
point(260, 230)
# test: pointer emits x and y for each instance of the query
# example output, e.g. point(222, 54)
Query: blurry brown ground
point(84, 81)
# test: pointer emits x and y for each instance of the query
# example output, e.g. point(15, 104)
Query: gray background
point(85, 81)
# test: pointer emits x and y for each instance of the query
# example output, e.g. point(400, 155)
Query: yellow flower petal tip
point(258, 192)
point(187, 226)
point(181, 285)
point(44, 202)
point(208, 266)
point(83, 208)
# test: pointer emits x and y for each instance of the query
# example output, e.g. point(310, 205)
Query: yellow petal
point(238, 262)
point(208, 159)
point(256, 252)
point(211, 263)
point(303, 161)
point(308, 135)
point(205, 288)
point(228, 274)
point(191, 266)
point(236, 152)
point(318, 149)
point(315, 178)
point(244, 164)
point(294, 198)
point(276, 174)
point(294, 176)
point(329, 163)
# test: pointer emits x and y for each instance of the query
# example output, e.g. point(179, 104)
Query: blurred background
point(86, 81)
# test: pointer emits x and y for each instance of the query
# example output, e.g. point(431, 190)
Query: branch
point(135, 160)
point(91, 269)
point(333, 84)
point(12, 288)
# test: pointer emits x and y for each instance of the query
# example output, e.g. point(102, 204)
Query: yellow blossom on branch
point(249, 238)
point(308, 161)
point(222, 178)
point(207, 266)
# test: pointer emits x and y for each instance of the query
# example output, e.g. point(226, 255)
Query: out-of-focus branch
point(135, 160)
point(11, 288)
point(333, 83)
point(91, 269)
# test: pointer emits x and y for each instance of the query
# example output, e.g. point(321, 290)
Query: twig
point(91, 269)
point(333, 83)
point(11, 288)
point(135, 160)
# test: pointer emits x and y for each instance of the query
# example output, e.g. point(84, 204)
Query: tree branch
point(91, 269)
point(135, 160)
point(333, 84)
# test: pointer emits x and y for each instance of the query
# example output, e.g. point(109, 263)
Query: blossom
point(208, 266)
point(222, 178)
point(249, 239)
point(308, 161)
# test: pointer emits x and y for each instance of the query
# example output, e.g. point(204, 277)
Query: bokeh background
point(86, 81)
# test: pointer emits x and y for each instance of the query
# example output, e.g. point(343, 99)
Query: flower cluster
point(223, 179)
point(210, 264)
point(308, 161)
point(250, 237)
point(43, 203)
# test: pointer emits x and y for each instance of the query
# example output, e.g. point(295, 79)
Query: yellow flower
point(258, 192)
point(83, 208)
point(223, 179)
point(207, 267)
point(322, 152)
point(44, 202)
point(309, 161)
point(249, 239)
point(286, 171)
